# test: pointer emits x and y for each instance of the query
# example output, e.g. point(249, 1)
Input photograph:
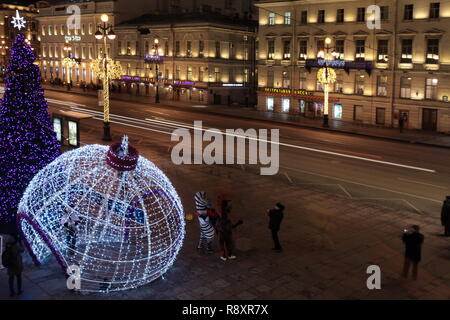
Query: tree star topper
point(18, 21)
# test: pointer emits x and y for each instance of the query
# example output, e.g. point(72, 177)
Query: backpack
point(7, 259)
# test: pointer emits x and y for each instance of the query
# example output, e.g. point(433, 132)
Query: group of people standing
point(217, 222)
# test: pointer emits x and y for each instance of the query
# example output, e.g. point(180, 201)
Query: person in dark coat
point(275, 218)
point(445, 216)
point(224, 228)
point(14, 264)
point(413, 241)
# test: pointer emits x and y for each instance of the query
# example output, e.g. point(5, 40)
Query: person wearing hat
point(413, 241)
point(445, 216)
point(12, 260)
point(275, 218)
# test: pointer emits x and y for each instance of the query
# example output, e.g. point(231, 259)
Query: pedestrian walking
point(413, 241)
point(225, 228)
point(275, 217)
point(401, 122)
point(445, 216)
point(12, 260)
point(206, 226)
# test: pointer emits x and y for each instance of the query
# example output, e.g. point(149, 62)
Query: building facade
point(8, 32)
point(59, 41)
point(202, 58)
point(395, 67)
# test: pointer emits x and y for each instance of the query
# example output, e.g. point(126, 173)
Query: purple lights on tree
point(27, 140)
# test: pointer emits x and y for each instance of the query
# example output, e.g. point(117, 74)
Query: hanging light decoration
point(108, 211)
point(326, 75)
point(114, 68)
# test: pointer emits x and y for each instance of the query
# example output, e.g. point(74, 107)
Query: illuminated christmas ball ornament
point(326, 75)
point(108, 211)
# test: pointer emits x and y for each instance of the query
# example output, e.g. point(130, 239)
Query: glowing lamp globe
point(109, 211)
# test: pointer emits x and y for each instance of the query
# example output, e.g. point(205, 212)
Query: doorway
point(429, 119)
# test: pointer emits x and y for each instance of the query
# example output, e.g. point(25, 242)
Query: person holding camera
point(413, 241)
point(12, 261)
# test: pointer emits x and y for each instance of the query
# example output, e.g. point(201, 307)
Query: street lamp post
point(68, 49)
point(326, 77)
point(105, 31)
point(155, 52)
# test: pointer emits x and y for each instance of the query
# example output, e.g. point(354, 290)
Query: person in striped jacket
point(202, 207)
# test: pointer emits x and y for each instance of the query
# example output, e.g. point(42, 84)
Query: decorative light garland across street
point(128, 218)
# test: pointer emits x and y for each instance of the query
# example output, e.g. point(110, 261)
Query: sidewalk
point(329, 241)
point(410, 136)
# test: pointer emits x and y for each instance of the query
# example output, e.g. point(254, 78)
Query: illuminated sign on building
point(232, 85)
point(296, 93)
point(153, 58)
point(339, 64)
point(72, 38)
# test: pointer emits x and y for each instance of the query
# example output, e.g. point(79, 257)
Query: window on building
point(231, 53)
point(406, 51)
point(189, 73)
point(432, 51)
point(340, 16)
point(405, 87)
point(286, 81)
point(217, 74)
point(128, 48)
point(90, 29)
point(360, 50)
point(188, 48)
point(303, 49)
point(43, 31)
point(271, 49)
point(270, 78)
point(337, 111)
point(166, 48)
point(339, 84)
point(384, 13)
point(201, 73)
point(217, 49)
point(431, 88)
point(177, 72)
point(304, 17)
point(321, 16)
point(50, 29)
point(408, 12)
point(271, 18)
point(83, 30)
point(146, 47)
point(55, 29)
point(359, 84)
point(83, 53)
point(361, 15)
point(138, 49)
point(320, 48)
point(231, 75)
point(285, 104)
point(91, 52)
point(434, 10)
point(286, 49)
point(382, 51)
point(269, 103)
point(287, 18)
point(302, 80)
point(177, 48)
point(339, 49)
point(201, 48)
point(382, 86)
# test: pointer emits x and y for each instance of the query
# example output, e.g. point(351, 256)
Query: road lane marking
point(309, 149)
point(362, 184)
point(134, 126)
point(425, 184)
point(368, 155)
point(177, 125)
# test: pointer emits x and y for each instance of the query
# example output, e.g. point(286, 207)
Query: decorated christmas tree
point(27, 140)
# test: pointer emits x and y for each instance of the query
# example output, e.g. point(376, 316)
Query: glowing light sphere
point(130, 218)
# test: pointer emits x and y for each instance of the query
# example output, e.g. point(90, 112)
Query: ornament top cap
point(122, 156)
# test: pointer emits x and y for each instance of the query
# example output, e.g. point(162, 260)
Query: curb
point(287, 123)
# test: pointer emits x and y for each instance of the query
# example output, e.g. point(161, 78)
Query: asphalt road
point(395, 174)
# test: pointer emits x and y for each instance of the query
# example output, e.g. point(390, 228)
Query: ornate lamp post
point(156, 53)
point(326, 76)
point(105, 31)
